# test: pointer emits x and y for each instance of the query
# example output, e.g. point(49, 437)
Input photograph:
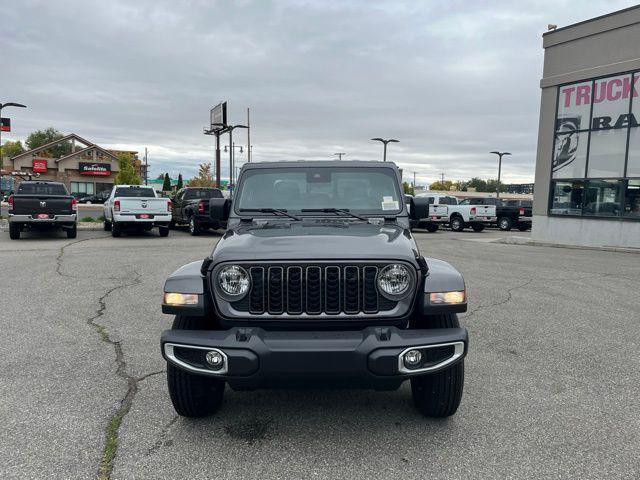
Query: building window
point(82, 188)
point(567, 198)
point(602, 197)
point(632, 199)
point(596, 151)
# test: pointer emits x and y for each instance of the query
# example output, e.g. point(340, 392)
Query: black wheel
point(477, 227)
point(193, 395)
point(432, 227)
point(14, 231)
point(456, 223)
point(194, 228)
point(72, 232)
point(439, 394)
point(107, 226)
point(172, 225)
point(505, 223)
point(164, 231)
point(116, 230)
point(523, 227)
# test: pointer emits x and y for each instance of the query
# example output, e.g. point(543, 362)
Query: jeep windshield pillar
point(317, 281)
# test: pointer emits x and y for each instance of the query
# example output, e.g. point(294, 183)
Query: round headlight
point(233, 281)
point(394, 280)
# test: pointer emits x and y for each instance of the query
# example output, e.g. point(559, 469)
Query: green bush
point(88, 219)
point(100, 218)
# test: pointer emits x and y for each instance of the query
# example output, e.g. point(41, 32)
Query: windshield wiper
point(279, 211)
point(335, 210)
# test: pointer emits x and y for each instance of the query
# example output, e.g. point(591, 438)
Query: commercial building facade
point(588, 162)
point(84, 167)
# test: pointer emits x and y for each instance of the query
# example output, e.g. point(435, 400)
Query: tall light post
point(3, 105)
point(384, 142)
point(230, 129)
point(233, 147)
point(339, 155)
point(500, 155)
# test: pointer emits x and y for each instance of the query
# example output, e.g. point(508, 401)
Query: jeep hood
point(316, 241)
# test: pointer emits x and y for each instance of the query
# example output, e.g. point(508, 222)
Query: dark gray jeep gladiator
point(317, 282)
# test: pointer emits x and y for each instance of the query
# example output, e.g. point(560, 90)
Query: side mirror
point(419, 208)
point(219, 209)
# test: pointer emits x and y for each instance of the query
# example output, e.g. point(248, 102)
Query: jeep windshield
point(320, 191)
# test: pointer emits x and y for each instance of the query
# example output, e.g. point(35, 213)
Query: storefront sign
point(39, 165)
point(99, 169)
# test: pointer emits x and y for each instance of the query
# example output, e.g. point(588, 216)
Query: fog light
point(412, 358)
point(214, 359)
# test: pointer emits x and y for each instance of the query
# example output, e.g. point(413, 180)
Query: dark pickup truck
point(317, 281)
point(508, 215)
point(42, 206)
point(191, 207)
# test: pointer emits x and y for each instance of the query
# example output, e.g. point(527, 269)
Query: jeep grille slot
point(313, 290)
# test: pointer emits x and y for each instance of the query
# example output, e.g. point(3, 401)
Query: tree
point(180, 182)
point(127, 174)
point(11, 149)
point(166, 185)
point(447, 185)
point(42, 137)
point(204, 177)
point(408, 189)
point(477, 183)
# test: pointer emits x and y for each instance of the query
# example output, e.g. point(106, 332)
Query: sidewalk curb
point(536, 243)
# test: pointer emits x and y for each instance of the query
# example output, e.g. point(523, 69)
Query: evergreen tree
point(166, 186)
point(180, 182)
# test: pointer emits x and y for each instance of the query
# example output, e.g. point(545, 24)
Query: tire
point(172, 225)
point(432, 227)
point(193, 395)
point(523, 227)
point(116, 230)
point(107, 226)
point(164, 231)
point(72, 232)
point(477, 227)
point(438, 395)
point(194, 229)
point(457, 223)
point(505, 224)
point(14, 231)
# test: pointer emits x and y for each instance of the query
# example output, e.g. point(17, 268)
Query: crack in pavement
point(60, 256)
point(113, 426)
point(500, 302)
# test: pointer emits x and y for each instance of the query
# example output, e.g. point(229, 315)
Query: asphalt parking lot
point(552, 381)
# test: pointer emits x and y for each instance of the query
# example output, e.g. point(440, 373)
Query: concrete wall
point(603, 46)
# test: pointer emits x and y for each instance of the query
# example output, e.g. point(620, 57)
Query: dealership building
point(84, 167)
point(587, 180)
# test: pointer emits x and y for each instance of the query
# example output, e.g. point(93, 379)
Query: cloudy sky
point(451, 80)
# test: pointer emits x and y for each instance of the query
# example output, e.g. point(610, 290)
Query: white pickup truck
point(475, 216)
point(438, 211)
point(136, 207)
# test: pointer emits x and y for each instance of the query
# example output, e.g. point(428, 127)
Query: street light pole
point(230, 129)
point(339, 155)
point(3, 105)
point(500, 154)
point(385, 142)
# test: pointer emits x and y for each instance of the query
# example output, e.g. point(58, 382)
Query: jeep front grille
point(313, 290)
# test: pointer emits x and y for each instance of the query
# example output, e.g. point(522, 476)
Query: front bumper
point(369, 358)
point(30, 219)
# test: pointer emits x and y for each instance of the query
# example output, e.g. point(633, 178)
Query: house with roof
point(84, 167)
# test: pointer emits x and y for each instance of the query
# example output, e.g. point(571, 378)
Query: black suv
point(317, 281)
